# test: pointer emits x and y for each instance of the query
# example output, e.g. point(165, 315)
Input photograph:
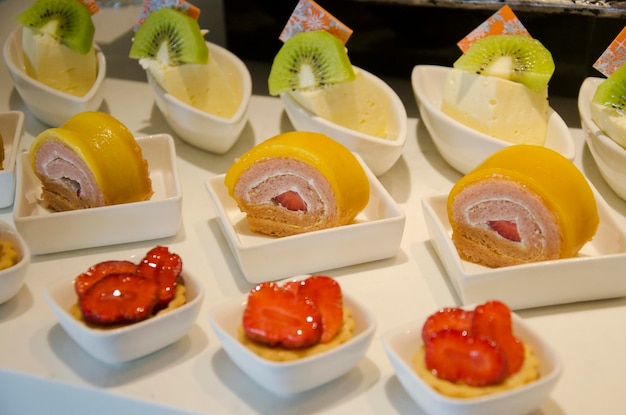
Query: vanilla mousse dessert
point(607, 106)
point(499, 86)
point(170, 46)
point(57, 42)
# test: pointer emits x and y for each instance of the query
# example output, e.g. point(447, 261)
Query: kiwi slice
point(68, 21)
point(517, 58)
point(612, 91)
point(309, 60)
point(170, 36)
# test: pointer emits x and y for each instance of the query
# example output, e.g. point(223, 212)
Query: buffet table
point(43, 371)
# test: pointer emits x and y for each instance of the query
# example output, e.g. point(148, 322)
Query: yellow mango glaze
point(8, 255)
point(554, 178)
point(105, 144)
point(332, 159)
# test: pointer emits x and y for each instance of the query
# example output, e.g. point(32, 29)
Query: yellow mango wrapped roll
point(524, 203)
point(92, 160)
point(298, 182)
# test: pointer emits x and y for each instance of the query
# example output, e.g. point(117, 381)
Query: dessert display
point(473, 353)
point(314, 69)
point(57, 42)
point(297, 319)
point(298, 182)
point(499, 86)
point(170, 46)
point(120, 292)
point(8, 255)
point(524, 203)
point(90, 161)
point(607, 106)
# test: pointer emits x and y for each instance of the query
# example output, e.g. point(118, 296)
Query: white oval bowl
point(286, 378)
point(462, 147)
point(403, 342)
point(12, 278)
point(609, 156)
point(123, 344)
point(201, 129)
point(50, 106)
point(380, 154)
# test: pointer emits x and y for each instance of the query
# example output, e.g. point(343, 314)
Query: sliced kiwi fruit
point(68, 21)
point(170, 36)
point(517, 58)
point(612, 91)
point(309, 60)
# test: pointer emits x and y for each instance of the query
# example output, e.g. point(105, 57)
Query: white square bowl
point(402, 343)
point(123, 344)
point(608, 155)
point(201, 129)
point(380, 154)
point(381, 220)
point(50, 106)
point(291, 377)
point(12, 278)
point(463, 147)
point(596, 273)
point(11, 129)
point(47, 232)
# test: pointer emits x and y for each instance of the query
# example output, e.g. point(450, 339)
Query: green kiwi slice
point(517, 58)
point(612, 91)
point(68, 21)
point(170, 36)
point(309, 60)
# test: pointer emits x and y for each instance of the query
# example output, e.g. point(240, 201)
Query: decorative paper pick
point(309, 16)
point(151, 5)
point(502, 22)
point(91, 5)
point(614, 56)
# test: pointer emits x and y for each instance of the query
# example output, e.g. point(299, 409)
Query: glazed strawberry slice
point(456, 356)
point(277, 317)
point(165, 268)
point(326, 294)
point(493, 320)
point(119, 299)
point(291, 200)
point(96, 272)
point(452, 318)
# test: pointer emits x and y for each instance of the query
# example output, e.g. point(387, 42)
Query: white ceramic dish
point(594, 274)
point(12, 278)
point(381, 220)
point(11, 129)
point(203, 130)
point(122, 344)
point(608, 155)
point(47, 232)
point(49, 105)
point(379, 154)
point(402, 343)
point(462, 147)
point(286, 378)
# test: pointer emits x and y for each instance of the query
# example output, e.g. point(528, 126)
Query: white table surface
point(194, 374)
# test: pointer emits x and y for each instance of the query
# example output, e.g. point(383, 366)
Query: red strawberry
point(493, 320)
point(118, 299)
point(455, 356)
point(447, 318)
point(291, 200)
point(164, 267)
point(277, 317)
point(326, 294)
point(506, 229)
point(96, 272)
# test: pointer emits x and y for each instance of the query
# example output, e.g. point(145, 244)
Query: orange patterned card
point(502, 22)
point(309, 16)
point(614, 56)
point(151, 5)
point(91, 5)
